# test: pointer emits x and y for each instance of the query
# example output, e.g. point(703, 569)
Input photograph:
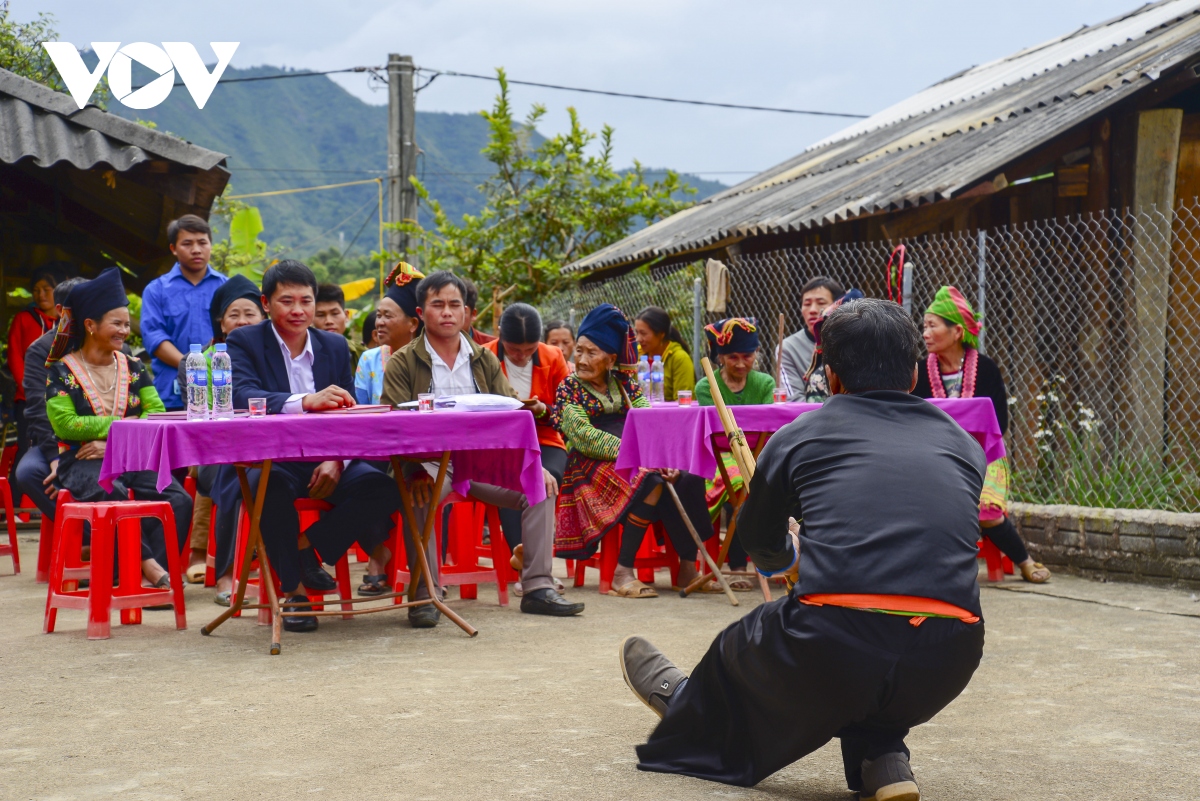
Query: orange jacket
point(549, 369)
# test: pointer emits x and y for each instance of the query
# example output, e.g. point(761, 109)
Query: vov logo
point(119, 60)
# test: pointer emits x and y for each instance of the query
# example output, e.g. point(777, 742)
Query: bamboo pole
point(716, 571)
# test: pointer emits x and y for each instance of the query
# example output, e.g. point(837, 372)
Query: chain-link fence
point(1092, 321)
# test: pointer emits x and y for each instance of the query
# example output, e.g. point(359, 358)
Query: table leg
point(253, 503)
point(421, 540)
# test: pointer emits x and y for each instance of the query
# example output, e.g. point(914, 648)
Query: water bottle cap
point(658, 358)
point(197, 348)
point(220, 347)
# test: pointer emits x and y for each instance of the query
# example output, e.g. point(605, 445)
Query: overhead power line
point(435, 73)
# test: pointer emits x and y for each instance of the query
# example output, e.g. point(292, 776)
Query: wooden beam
point(1155, 167)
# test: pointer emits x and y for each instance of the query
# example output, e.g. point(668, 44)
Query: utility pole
point(402, 151)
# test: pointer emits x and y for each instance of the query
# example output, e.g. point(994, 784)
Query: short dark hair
point(823, 282)
point(434, 283)
point(188, 222)
point(520, 324)
point(288, 271)
point(554, 325)
point(62, 290)
point(871, 344)
point(368, 326)
point(470, 295)
point(331, 293)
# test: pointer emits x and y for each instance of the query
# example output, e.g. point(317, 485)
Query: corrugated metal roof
point(938, 142)
point(47, 127)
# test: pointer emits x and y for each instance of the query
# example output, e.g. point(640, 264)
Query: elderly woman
point(733, 345)
point(590, 410)
point(90, 384)
point(396, 323)
point(236, 303)
point(956, 369)
point(657, 337)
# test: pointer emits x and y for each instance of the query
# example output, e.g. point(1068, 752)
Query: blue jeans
point(31, 472)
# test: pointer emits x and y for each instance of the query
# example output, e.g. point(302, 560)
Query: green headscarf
point(950, 304)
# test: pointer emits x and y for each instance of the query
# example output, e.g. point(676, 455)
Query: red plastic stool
point(76, 568)
point(998, 565)
point(10, 517)
point(116, 527)
point(460, 564)
point(605, 559)
point(310, 512)
point(210, 556)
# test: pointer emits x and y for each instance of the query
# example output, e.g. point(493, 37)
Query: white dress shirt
point(456, 380)
point(300, 372)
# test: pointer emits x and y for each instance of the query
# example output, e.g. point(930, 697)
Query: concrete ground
point(1086, 690)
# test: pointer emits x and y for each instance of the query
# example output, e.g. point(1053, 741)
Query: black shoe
point(424, 617)
point(313, 576)
point(888, 778)
point(548, 602)
point(294, 623)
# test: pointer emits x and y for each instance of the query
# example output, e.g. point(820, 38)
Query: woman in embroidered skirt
point(589, 410)
point(956, 369)
point(90, 384)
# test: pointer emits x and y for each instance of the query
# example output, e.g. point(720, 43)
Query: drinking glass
point(258, 407)
point(425, 402)
point(684, 397)
point(780, 395)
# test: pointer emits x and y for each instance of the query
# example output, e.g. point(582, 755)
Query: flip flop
point(163, 583)
point(374, 585)
point(633, 589)
point(1028, 573)
point(195, 573)
point(222, 598)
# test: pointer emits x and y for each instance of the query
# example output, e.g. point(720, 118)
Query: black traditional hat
point(90, 300)
point(236, 288)
point(403, 287)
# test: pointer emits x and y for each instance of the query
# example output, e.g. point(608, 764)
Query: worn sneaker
point(652, 677)
point(888, 778)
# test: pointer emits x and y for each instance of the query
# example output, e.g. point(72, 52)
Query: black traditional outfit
point(882, 629)
point(81, 411)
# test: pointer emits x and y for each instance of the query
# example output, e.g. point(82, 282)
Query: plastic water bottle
point(656, 380)
point(222, 384)
point(196, 367)
point(643, 374)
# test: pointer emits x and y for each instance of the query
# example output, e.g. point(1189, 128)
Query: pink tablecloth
point(679, 437)
point(491, 447)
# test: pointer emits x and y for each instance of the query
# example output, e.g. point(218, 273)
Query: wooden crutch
point(742, 455)
point(716, 571)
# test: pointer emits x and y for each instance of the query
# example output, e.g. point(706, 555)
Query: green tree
point(21, 52)
point(243, 252)
point(545, 206)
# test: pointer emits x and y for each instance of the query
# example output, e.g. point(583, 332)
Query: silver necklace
point(102, 390)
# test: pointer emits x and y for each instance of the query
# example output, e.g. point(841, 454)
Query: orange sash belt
point(918, 608)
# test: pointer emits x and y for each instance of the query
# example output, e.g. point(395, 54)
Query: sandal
point(195, 573)
point(163, 583)
point(1035, 573)
point(222, 598)
point(633, 589)
point(741, 584)
point(517, 562)
point(374, 585)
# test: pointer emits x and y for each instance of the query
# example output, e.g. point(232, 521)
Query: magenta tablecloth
point(680, 437)
point(498, 448)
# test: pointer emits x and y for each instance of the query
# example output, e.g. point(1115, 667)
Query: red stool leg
point(129, 564)
point(100, 586)
point(10, 519)
point(70, 533)
point(343, 580)
point(210, 556)
point(45, 549)
point(500, 557)
point(175, 562)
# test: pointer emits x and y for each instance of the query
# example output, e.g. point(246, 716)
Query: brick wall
point(1139, 545)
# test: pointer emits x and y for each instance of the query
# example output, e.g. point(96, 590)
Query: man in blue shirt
point(175, 306)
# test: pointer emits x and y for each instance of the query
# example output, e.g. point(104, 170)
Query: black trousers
point(555, 461)
point(363, 504)
point(690, 489)
point(788, 677)
point(30, 472)
point(81, 477)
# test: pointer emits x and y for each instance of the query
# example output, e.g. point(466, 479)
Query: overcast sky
point(854, 56)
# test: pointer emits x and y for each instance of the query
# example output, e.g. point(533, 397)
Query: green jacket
point(410, 371)
point(678, 371)
point(759, 389)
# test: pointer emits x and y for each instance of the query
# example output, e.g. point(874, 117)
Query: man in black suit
point(302, 369)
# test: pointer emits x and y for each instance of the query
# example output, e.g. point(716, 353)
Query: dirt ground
point(1086, 691)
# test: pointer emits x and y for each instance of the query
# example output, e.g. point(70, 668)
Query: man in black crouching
point(883, 627)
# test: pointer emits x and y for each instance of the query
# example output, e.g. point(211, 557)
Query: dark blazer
point(41, 435)
point(259, 370)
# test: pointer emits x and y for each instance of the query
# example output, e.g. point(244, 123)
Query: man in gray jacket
point(815, 295)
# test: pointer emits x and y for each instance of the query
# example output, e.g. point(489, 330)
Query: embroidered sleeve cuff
point(790, 565)
point(293, 405)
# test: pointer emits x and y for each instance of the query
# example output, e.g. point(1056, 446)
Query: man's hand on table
point(324, 480)
point(332, 397)
point(551, 484)
point(91, 450)
point(51, 487)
